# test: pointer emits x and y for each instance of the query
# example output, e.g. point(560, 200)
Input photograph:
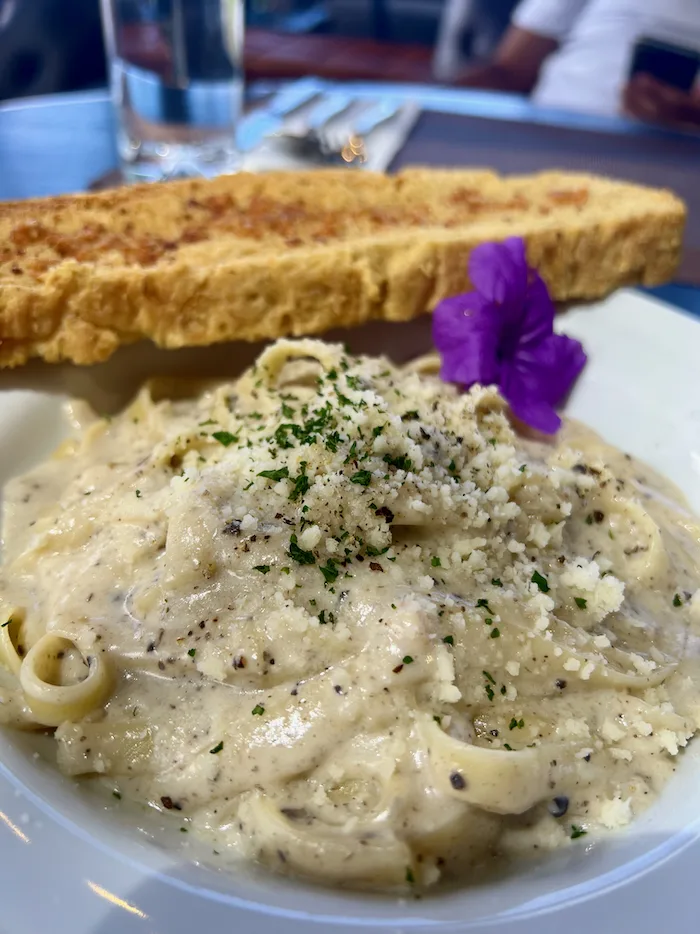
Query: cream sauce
point(345, 621)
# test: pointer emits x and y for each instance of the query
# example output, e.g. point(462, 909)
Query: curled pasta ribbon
point(273, 360)
point(636, 546)
point(52, 704)
point(642, 554)
point(608, 666)
point(367, 854)
point(114, 748)
point(612, 667)
point(502, 782)
point(427, 365)
point(9, 640)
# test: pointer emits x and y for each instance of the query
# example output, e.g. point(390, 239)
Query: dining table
point(67, 142)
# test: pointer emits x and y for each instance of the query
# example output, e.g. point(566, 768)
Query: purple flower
point(502, 334)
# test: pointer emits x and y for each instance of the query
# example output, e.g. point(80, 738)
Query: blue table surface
point(62, 143)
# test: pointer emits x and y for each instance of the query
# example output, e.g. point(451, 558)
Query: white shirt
point(597, 38)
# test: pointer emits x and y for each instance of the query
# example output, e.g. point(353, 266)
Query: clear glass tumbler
point(176, 72)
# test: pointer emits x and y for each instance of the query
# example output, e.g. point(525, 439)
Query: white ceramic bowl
point(71, 862)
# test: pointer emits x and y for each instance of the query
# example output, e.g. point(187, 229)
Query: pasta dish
point(338, 617)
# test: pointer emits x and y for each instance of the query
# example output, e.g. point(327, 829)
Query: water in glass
point(176, 69)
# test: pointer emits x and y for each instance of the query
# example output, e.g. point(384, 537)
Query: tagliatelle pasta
point(342, 619)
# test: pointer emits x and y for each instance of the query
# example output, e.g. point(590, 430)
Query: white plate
point(69, 864)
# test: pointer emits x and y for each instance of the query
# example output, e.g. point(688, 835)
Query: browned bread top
point(193, 262)
point(149, 224)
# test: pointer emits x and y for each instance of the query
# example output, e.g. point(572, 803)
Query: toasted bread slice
point(249, 257)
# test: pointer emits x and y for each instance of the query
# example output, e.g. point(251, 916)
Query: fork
point(349, 141)
point(325, 136)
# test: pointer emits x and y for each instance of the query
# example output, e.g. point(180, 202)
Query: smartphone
point(672, 64)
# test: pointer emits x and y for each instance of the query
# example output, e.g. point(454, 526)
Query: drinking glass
point(176, 74)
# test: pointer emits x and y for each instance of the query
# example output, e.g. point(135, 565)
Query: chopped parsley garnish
point(452, 467)
point(258, 710)
point(377, 430)
point(323, 620)
point(280, 436)
point(484, 605)
point(489, 691)
point(580, 602)
point(677, 600)
point(489, 676)
point(298, 554)
point(329, 571)
point(437, 719)
point(449, 640)
point(138, 494)
point(540, 581)
point(282, 473)
point(217, 749)
point(411, 416)
point(301, 484)
point(435, 562)
point(523, 468)
point(400, 461)
point(263, 568)
point(410, 878)
point(516, 724)
point(496, 581)
point(224, 437)
point(344, 399)
point(407, 659)
point(376, 552)
point(7, 623)
point(192, 652)
point(209, 421)
point(287, 410)
point(506, 746)
point(332, 374)
point(332, 441)
point(577, 831)
point(495, 633)
point(362, 478)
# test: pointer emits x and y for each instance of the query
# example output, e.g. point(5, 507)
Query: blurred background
point(48, 46)
point(606, 86)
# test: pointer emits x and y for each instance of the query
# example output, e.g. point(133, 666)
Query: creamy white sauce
point(418, 645)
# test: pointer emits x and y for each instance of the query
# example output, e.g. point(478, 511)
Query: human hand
point(653, 101)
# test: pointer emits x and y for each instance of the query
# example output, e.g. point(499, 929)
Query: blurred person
point(576, 55)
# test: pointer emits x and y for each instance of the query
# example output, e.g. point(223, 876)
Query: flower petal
point(503, 333)
point(537, 322)
point(539, 377)
point(536, 413)
point(467, 331)
point(569, 359)
point(499, 271)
